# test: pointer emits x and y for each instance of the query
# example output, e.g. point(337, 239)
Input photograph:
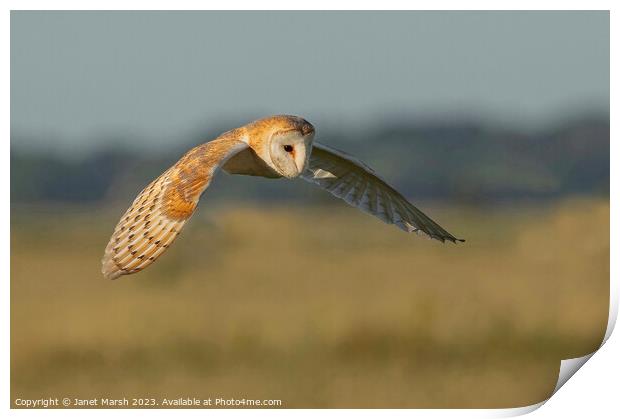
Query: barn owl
point(279, 146)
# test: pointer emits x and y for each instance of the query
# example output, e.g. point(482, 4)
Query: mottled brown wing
point(350, 179)
point(157, 215)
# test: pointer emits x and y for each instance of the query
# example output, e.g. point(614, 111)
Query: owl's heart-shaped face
point(290, 150)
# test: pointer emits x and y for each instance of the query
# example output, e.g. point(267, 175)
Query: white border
point(312, 5)
point(593, 392)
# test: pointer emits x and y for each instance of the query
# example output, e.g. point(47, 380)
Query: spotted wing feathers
point(348, 178)
point(155, 218)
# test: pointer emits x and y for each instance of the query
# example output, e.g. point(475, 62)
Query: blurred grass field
point(318, 307)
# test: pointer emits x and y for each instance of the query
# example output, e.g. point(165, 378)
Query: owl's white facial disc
point(290, 151)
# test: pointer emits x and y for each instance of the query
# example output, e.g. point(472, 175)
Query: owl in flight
point(274, 147)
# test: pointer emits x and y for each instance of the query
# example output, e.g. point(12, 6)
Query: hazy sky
point(156, 78)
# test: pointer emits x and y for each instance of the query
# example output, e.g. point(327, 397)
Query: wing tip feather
point(440, 237)
point(451, 239)
point(109, 268)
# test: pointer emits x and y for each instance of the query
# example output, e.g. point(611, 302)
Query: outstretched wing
point(160, 211)
point(350, 179)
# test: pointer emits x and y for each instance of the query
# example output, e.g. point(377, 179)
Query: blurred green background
point(494, 123)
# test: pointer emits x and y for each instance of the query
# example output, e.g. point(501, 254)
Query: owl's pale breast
point(247, 162)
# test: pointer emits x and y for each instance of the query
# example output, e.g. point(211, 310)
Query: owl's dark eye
point(288, 148)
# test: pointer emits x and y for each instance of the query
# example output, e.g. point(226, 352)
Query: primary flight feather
point(273, 147)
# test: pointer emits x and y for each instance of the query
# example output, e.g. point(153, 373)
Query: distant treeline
point(465, 161)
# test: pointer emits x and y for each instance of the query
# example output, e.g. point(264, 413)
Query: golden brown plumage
point(160, 211)
point(278, 146)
